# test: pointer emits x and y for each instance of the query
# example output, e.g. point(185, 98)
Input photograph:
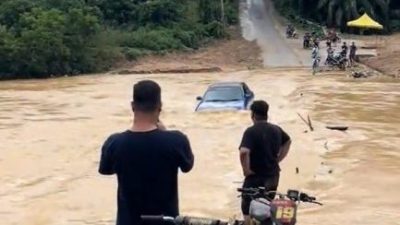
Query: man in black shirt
point(352, 55)
point(146, 159)
point(263, 146)
point(344, 50)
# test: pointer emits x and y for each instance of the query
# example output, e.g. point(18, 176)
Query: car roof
point(227, 84)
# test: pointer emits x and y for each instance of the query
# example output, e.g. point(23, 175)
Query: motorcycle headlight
point(260, 209)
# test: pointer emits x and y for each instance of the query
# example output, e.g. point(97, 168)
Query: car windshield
point(220, 94)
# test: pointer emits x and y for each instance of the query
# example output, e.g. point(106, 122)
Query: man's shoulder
point(176, 134)
point(172, 138)
point(112, 139)
point(264, 126)
point(276, 127)
point(117, 135)
point(164, 133)
point(114, 136)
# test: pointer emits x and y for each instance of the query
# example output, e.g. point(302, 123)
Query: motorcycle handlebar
point(261, 190)
point(156, 218)
point(185, 220)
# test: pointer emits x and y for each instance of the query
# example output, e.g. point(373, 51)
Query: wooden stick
point(308, 123)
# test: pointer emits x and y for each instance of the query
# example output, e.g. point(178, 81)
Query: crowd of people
point(345, 57)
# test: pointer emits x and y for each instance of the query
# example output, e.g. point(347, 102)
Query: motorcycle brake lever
point(318, 203)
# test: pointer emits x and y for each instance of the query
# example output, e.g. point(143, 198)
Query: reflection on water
point(51, 131)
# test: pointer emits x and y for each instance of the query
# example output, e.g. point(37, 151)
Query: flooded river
point(51, 132)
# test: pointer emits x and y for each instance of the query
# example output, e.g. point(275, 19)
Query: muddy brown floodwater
point(51, 132)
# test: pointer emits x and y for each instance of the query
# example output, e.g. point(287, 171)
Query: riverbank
point(387, 60)
point(231, 54)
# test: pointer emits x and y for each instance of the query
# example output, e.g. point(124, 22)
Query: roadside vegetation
point(44, 38)
point(335, 13)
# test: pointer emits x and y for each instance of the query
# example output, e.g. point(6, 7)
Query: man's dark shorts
point(254, 181)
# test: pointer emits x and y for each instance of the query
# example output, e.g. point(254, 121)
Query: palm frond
point(322, 4)
point(354, 10)
point(339, 17)
point(331, 9)
point(368, 7)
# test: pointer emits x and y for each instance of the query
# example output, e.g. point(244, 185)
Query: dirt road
point(259, 23)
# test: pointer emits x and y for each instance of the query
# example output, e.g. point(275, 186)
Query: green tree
point(41, 47)
point(209, 11)
point(39, 38)
point(336, 12)
point(161, 12)
point(340, 11)
point(12, 10)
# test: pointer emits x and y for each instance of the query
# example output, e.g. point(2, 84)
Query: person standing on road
point(315, 59)
point(345, 49)
point(263, 147)
point(352, 55)
point(146, 159)
point(328, 43)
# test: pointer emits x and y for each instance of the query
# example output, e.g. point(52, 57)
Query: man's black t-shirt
point(146, 164)
point(353, 50)
point(264, 141)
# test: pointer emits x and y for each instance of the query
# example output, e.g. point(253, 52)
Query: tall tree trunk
point(300, 7)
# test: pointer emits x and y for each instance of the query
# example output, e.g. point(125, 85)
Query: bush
point(216, 30)
point(41, 38)
point(189, 39)
point(132, 53)
point(231, 13)
point(153, 39)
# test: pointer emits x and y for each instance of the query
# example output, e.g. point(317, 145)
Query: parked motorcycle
point(292, 35)
point(337, 61)
point(282, 210)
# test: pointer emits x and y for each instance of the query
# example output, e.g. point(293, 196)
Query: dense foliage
point(41, 38)
point(335, 13)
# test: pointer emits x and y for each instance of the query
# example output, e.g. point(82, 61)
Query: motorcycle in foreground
point(282, 210)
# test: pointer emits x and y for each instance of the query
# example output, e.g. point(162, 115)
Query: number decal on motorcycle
point(285, 213)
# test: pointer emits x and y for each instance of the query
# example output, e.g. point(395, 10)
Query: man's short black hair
point(146, 96)
point(260, 110)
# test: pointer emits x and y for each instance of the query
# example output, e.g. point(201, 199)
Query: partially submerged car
point(226, 96)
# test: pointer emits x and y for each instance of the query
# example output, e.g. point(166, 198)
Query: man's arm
point(284, 150)
point(285, 146)
point(186, 158)
point(246, 146)
point(107, 162)
point(245, 161)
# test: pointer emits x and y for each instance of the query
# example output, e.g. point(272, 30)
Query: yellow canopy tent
point(365, 22)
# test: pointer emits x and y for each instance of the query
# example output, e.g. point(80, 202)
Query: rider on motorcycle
point(290, 31)
point(330, 52)
point(306, 40)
